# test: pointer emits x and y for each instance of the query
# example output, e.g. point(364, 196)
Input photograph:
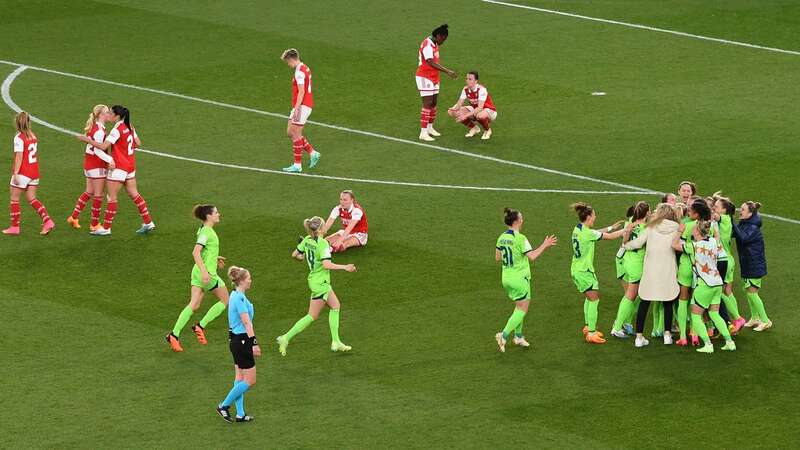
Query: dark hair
point(441, 30)
point(640, 211)
point(201, 212)
point(690, 184)
point(700, 207)
point(727, 204)
point(665, 197)
point(704, 227)
point(584, 210)
point(474, 73)
point(123, 113)
point(753, 206)
point(511, 216)
point(629, 212)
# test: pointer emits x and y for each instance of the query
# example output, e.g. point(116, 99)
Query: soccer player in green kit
point(204, 278)
point(724, 210)
point(632, 267)
point(582, 268)
point(515, 253)
point(317, 253)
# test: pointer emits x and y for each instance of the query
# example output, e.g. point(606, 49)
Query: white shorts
point(95, 173)
point(120, 175)
point(427, 87)
point(23, 182)
point(360, 237)
point(492, 113)
point(305, 111)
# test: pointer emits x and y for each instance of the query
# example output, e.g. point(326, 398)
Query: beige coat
point(660, 273)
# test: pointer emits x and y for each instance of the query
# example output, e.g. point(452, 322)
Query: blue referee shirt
point(238, 304)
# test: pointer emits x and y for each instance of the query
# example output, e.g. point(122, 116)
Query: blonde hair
point(313, 226)
point(703, 227)
point(94, 116)
point(23, 123)
point(290, 53)
point(237, 274)
point(350, 193)
point(664, 211)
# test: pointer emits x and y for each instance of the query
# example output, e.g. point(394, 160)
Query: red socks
point(432, 116)
point(425, 118)
point(307, 145)
point(142, 205)
point(469, 123)
point(97, 203)
point(15, 214)
point(40, 209)
point(80, 204)
point(111, 211)
point(484, 123)
point(297, 147)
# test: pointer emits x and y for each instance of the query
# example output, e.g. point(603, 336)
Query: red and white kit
point(28, 174)
point(475, 96)
point(95, 160)
point(124, 146)
point(427, 76)
point(355, 212)
point(302, 80)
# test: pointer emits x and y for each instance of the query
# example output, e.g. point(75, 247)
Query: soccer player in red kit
point(428, 70)
point(95, 163)
point(123, 141)
point(480, 109)
point(25, 175)
point(354, 223)
point(302, 103)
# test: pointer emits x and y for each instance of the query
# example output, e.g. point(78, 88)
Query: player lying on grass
point(480, 109)
point(427, 78)
point(302, 103)
point(317, 253)
point(204, 278)
point(25, 175)
point(95, 163)
point(354, 232)
point(515, 254)
point(582, 267)
point(243, 346)
point(123, 142)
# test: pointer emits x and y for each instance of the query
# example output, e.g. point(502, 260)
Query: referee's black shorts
point(242, 351)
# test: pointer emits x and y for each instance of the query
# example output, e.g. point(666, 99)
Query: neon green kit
point(207, 238)
point(685, 263)
point(516, 266)
point(633, 261)
point(582, 267)
point(316, 250)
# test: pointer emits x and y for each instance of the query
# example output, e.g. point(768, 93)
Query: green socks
point(757, 305)
point(212, 313)
point(733, 308)
point(753, 312)
point(700, 328)
point(183, 319)
point(719, 322)
point(518, 330)
point(683, 316)
point(299, 326)
point(623, 312)
point(333, 322)
point(591, 315)
point(513, 322)
point(658, 317)
point(586, 311)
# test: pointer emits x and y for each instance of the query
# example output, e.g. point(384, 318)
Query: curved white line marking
point(5, 90)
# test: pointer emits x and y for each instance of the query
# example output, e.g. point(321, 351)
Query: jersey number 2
point(32, 149)
point(130, 144)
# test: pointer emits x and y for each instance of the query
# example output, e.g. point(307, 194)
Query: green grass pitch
point(81, 348)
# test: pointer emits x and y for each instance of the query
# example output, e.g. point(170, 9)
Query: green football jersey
point(638, 254)
point(207, 237)
point(583, 239)
point(315, 250)
point(514, 247)
point(725, 232)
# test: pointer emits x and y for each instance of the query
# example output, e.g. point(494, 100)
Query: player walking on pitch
point(302, 103)
point(428, 70)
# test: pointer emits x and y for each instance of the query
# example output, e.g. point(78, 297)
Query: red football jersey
point(90, 159)
point(302, 77)
point(355, 212)
point(428, 50)
point(480, 93)
point(30, 159)
point(123, 148)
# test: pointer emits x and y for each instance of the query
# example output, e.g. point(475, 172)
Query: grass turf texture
point(82, 350)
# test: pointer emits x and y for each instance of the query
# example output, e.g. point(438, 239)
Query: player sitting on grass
point(354, 224)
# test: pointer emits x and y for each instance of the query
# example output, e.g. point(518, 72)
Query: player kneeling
point(480, 109)
point(354, 224)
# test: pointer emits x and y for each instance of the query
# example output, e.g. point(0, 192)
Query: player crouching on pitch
point(480, 109)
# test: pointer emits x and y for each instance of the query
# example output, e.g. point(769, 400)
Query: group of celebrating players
point(676, 256)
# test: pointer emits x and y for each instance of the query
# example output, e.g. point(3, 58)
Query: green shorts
point(751, 282)
point(320, 290)
point(585, 281)
point(731, 266)
point(685, 272)
point(213, 283)
point(518, 289)
point(620, 266)
point(633, 269)
point(705, 296)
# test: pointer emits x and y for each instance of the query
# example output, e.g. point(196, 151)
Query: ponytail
point(640, 211)
point(237, 274)
point(584, 210)
point(511, 216)
point(703, 227)
point(313, 225)
point(23, 124)
point(753, 206)
point(123, 114)
point(700, 207)
point(94, 116)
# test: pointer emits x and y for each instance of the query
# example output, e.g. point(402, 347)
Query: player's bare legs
point(334, 239)
point(469, 122)
point(485, 120)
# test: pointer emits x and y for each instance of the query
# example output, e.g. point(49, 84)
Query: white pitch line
point(644, 27)
point(5, 90)
point(337, 127)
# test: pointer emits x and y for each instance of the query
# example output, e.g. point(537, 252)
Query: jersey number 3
point(508, 258)
point(577, 247)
